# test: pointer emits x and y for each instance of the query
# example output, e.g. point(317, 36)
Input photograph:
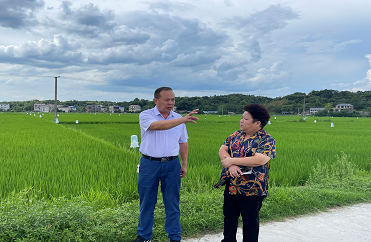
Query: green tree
point(328, 107)
point(276, 105)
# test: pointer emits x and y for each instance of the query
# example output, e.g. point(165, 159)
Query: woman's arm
point(252, 161)
point(234, 170)
point(223, 152)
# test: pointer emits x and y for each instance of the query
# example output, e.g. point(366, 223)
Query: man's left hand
point(183, 171)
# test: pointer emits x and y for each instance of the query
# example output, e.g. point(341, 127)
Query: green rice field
point(94, 156)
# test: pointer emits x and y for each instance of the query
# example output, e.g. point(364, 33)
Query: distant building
point(4, 106)
point(43, 108)
point(64, 109)
point(93, 108)
point(206, 112)
point(288, 112)
point(37, 106)
point(113, 109)
point(134, 108)
point(363, 113)
point(341, 107)
point(314, 110)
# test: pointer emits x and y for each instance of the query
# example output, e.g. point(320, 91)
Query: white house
point(93, 108)
point(344, 106)
point(314, 110)
point(112, 109)
point(42, 107)
point(64, 109)
point(4, 106)
point(134, 108)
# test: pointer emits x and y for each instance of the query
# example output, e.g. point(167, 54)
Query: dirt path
point(345, 224)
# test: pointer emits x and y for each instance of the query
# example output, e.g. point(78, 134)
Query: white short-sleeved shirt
point(160, 143)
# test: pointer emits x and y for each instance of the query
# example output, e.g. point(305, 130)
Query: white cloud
point(58, 50)
point(170, 6)
point(361, 85)
point(228, 3)
point(272, 75)
point(262, 22)
point(326, 45)
point(368, 56)
point(194, 46)
point(19, 14)
point(88, 20)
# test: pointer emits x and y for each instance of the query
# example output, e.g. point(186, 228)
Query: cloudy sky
point(118, 50)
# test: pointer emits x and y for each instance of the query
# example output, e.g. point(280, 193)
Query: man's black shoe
point(174, 240)
point(141, 239)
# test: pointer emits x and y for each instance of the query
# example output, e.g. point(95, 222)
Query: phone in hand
point(246, 170)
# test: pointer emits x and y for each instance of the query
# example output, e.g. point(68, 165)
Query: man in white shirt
point(163, 137)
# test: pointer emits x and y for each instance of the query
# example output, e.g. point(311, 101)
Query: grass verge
point(26, 217)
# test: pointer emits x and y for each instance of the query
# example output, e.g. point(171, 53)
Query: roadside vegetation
point(77, 182)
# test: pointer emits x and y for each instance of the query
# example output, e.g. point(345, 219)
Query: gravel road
point(344, 224)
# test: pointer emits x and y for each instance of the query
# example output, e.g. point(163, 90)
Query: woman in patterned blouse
point(246, 156)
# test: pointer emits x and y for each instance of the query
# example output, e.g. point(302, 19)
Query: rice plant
point(92, 158)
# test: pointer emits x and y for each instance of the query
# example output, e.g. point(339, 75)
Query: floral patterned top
point(256, 183)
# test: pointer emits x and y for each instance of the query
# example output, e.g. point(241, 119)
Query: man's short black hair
point(258, 113)
point(158, 90)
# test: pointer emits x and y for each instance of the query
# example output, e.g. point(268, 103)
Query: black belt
point(162, 159)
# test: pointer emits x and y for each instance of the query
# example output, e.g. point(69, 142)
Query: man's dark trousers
point(150, 173)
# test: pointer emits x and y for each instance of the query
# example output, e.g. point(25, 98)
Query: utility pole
point(55, 103)
point(303, 106)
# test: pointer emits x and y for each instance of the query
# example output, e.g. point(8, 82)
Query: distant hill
point(233, 102)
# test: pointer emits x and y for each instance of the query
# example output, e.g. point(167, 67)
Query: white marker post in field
point(134, 141)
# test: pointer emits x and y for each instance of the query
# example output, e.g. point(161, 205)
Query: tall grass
point(301, 145)
point(71, 182)
point(62, 162)
point(93, 158)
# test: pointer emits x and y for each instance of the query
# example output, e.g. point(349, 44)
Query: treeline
point(26, 106)
point(292, 103)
